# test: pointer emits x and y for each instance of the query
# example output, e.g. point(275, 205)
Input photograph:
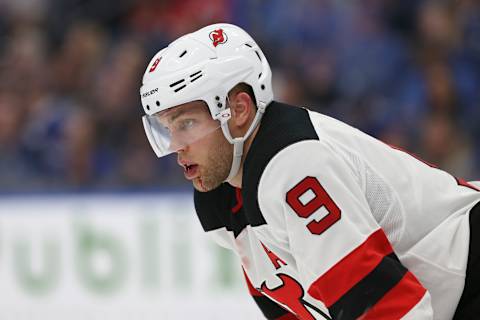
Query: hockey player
point(328, 222)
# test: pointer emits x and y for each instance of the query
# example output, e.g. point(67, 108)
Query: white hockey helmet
point(205, 65)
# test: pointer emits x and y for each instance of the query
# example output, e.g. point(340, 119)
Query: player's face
point(201, 147)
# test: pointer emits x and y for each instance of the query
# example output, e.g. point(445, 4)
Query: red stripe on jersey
point(254, 292)
point(238, 206)
point(288, 316)
point(334, 283)
point(465, 183)
point(398, 301)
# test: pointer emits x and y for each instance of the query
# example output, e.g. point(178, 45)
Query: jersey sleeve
point(312, 196)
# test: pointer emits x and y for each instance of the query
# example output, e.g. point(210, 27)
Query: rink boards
point(114, 256)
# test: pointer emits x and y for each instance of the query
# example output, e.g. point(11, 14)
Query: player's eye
point(185, 124)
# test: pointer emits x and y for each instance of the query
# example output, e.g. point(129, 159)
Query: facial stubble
point(217, 165)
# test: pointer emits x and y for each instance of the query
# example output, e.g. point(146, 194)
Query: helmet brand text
point(149, 93)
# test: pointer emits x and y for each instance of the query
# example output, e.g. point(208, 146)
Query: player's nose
point(176, 145)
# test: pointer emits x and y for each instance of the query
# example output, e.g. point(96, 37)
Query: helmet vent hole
point(262, 87)
point(180, 88)
point(199, 76)
point(158, 103)
point(248, 45)
point(259, 75)
point(258, 55)
point(183, 53)
point(176, 83)
point(148, 107)
point(194, 74)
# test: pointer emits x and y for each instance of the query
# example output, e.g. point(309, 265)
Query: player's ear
point(242, 108)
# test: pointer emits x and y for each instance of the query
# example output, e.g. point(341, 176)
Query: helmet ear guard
point(205, 65)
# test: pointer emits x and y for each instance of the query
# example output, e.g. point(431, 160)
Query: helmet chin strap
point(239, 141)
point(236, 159)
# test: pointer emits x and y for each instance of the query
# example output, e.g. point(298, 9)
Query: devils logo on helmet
point(218, 37)
point(155, 64)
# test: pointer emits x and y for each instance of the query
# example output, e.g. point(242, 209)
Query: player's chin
point(198, 185)
point(201, 185)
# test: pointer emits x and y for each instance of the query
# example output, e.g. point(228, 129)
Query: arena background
point(93, 226)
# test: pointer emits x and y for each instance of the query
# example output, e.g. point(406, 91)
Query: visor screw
point(219, 105)
point(262, 86)
point(158, 103)
point(217, 98)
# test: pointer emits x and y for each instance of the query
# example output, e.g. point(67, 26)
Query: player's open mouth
point(190, 171)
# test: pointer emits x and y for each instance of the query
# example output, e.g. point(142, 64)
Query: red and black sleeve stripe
point(367, 282)
point(270, 309)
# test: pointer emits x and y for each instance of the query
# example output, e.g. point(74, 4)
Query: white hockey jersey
point(331, 223)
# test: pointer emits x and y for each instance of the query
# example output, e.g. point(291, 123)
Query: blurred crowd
point(405, 71)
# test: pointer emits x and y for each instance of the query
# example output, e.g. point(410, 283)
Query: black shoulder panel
point(281, 126)
point(220, 208)
point(212, 206)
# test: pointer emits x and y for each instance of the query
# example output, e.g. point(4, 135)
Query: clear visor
point(170, 131)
